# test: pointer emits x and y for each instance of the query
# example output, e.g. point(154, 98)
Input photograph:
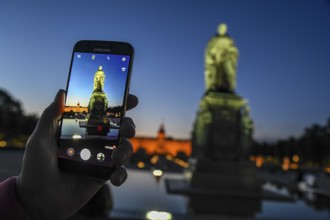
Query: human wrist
point(31, 202)
point(10, 207)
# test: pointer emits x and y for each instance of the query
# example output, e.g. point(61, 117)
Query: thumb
point(52, 114)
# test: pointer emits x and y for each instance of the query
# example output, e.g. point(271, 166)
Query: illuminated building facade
point(162, 144)
point(76, 109)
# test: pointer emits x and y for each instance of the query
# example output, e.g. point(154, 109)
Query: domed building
point(162, 144)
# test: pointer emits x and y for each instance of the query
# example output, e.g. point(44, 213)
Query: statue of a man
point(221, 57)
point(98, 102)
point(99, 79)
point(97, 122)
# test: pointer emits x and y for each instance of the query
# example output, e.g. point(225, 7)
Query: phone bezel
point(102, 47)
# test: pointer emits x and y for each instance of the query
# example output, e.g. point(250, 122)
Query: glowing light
point(140, 165)
point(185, 165)
point(327, 169)
point(3, 143)
point(259, 161)
point(286, 160)
point(252, 158)
point(157, 173)
point(154, 159)
point(76, 136)
point(295, 158)
point(285, 166)
point(70, 151)
point(187, 175)
point(169, 157)
point(258, 164)
point(294, 166)
point(156, 215)
point(181, 163)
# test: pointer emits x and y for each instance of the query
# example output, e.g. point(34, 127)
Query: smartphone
point(96, 95)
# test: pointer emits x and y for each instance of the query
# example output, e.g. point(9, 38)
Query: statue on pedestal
point(99, 79)
point(223, 126)
point(98, 102)
point(221, 137)
point(222, 180)
point(221, 57)
point(98, 122)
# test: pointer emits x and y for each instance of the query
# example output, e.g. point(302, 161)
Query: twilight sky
point(82, 78)
point(283, 69)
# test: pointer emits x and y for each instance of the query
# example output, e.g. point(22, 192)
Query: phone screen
point(94, 107)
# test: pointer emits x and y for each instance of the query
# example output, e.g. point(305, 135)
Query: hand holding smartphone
point(95, 105)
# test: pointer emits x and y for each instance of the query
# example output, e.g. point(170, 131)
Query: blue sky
point(283, 68)
point(82, 78)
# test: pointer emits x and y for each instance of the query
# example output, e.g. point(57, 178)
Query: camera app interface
point(94, 107)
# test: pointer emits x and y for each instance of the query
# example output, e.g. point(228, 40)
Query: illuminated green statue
point(98, 122)
point(222, 139)
point(98, 102)
point(221, 57)
point(99, 79)
point(223, 127)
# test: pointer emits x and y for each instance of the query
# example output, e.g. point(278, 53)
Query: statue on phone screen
point(221, 57)
point(99, 79)
point(98, 122)
point(98, 103)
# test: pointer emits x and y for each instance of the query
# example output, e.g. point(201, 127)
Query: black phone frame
point(99, 47)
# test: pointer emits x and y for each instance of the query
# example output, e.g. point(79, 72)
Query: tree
point(10, 114)
point(13, 122)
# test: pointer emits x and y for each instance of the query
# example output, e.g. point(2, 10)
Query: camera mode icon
point(85, 154)
point(70, 151)
point(100, 157)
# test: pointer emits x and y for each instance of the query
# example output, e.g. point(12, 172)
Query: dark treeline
point(15, 126)
point(312, 147)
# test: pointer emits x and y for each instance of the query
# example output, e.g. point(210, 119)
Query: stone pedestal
point(230, 188)
point(223, 181)
point(222, 128)
point(98, 122)
point(221, 137)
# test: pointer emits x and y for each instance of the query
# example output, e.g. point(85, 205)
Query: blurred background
point(283, 71)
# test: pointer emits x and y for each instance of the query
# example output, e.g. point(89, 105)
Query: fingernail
point(133, 124)
point(58, 94)
point(125, 158)
point(122, 178)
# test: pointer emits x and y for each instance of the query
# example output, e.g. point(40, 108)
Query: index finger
point(132, 101)
point(51, 114)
